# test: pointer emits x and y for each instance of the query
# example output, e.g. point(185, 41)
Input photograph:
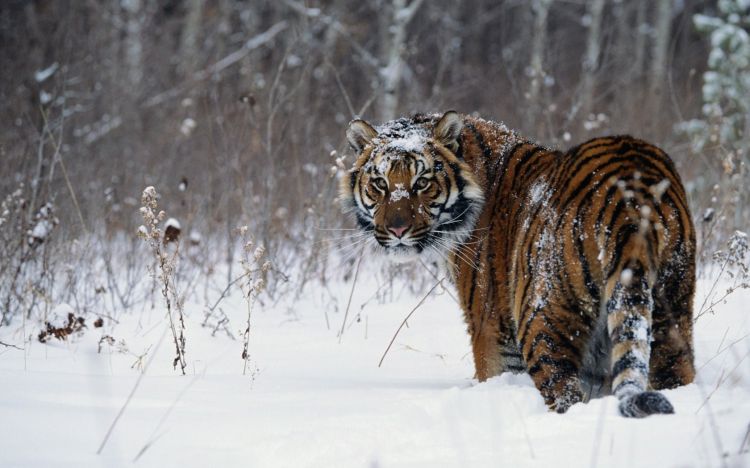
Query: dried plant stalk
point(254, 272)
point(152, 234)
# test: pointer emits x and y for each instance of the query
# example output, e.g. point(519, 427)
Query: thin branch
point(58, 153)
point(8, 345)
point(252, 44)
point(154, 437)
point(226, 290)
point(745, 441)
point(132, 392)
point(722, 378)
point(421, 301)
point(343, 90)
point(351, 293)
point(434, 276)
point(409, 11)
point(336, 26)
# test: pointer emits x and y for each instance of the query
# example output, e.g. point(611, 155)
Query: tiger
point(576, 267)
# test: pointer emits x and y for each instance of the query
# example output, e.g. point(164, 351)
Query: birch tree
point(400, 14)
point(540, 9)
point(191, 36)
point(591, 57)
point(660, 50)
point(133, 43)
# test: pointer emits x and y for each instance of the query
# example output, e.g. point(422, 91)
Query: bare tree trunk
point(189, 49)
point(640, 39)
point(661, 46)
point(133, 42)
point(451, 45)
point(539, 40)
point(591, 59)
point(391, 73)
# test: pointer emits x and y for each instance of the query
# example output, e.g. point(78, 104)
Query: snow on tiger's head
point(409, 186)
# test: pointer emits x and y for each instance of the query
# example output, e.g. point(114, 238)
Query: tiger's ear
point(359, 134)
point(448, 130)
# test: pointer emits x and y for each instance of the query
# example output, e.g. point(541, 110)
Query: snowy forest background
point(235, 112)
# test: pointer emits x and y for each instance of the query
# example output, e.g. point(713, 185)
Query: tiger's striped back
point(589, 254)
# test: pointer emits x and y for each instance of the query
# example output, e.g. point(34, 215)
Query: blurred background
point(236, 110)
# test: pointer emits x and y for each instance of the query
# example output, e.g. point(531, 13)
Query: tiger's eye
point(381, 184)
point(421, 183)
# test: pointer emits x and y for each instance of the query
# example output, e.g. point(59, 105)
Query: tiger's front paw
point(568, 397)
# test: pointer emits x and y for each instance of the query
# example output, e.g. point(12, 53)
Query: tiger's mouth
point(403, 253)
point(400, 249)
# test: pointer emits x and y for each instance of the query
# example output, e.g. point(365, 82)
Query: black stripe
point(629, 361)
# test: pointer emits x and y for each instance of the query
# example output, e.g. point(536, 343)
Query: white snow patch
point(401, 136)
point(62, 310)
point(399, 193)
point(42, 229)
point(413, 142)
point(42, 75)
point(45, 97)
point(187, 126)
point(538, 192)
point(336, 407)
point(658, 190)
point(195, 237)
point(173, 223)
point(626, 277)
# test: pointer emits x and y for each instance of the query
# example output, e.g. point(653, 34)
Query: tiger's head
point(409, 186)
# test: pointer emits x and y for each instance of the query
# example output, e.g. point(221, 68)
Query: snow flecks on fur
point(413, 142)
point(658, 190)
point(626, 277)
point(399, 193)
point(401, 136)
point(539, 192)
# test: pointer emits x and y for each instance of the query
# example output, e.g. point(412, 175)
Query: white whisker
point(455, 248)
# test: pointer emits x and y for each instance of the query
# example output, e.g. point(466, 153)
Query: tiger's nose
point(398, 231)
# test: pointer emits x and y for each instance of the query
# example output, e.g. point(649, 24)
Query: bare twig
point(434, 276)
point(722, 378)
point(336, 26)
point(132, 392)
point(154, 437)
point(8, 345)
point(745, 441)
point(151, 233)
point(58, 153)
point(252, 257)
point(351, 294)
point(421, 301)
point(226, 290)
point(252, 44)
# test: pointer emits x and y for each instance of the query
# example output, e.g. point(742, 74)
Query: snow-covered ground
point(316, 402)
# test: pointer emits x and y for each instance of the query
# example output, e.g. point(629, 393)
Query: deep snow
point(315, 402)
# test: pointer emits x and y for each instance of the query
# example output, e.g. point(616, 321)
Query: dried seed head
point(258, 254)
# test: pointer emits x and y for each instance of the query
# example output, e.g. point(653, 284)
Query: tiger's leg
point(629, 321)
point(672, 362)
point(487, 362)
point(551, 339)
